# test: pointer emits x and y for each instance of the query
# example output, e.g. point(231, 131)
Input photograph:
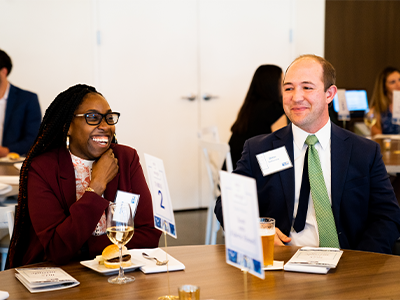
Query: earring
point(67, 142)
point(115, 139)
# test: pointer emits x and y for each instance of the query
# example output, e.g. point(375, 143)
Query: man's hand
point(4, 151)
point(280, 238)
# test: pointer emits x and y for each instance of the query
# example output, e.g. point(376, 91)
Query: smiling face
point(392, 84)
point(304, 98)
point(88, 141)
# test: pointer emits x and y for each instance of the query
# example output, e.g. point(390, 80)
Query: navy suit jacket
point(22, 120)
point(366, 212)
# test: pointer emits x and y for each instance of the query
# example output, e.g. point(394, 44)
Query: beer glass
point(267, 232)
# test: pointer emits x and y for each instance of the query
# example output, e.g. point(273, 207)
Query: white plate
point(11, 161)
point(94, 265)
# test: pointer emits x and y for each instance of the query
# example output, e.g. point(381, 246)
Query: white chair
point(6, 222)
point(215, 153)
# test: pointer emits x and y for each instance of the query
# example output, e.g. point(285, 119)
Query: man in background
point(352, 204)
point(20, 114)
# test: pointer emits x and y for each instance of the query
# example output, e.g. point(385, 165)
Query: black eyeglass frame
point(103, 116)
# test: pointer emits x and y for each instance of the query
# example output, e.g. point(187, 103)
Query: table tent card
point(162, 207)
point(45, 279)
point(314, 260)
point(396, 107)
point(343, 114)
point(241, 223)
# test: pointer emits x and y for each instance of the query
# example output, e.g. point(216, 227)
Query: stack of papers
point(314, 260)
point(45, 279)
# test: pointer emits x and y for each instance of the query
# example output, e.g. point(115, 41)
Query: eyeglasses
point(95, 118)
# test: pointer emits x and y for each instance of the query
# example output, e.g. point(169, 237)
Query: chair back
point(209, 134)
point(7, 218)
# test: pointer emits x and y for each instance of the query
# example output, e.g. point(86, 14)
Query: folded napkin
point(4, 295)
point(150, 265)
point(10, 179)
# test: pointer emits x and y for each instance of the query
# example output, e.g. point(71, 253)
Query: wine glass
point(369, 118)
point(120, 231)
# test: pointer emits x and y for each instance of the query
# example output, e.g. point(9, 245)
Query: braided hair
point(52, 134)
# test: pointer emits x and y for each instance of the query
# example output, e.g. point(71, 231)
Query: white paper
point(241, 223)
point(343, 114)
point(130, 198)
point(274, 161)
point(396, 107)
point(162, 206)
point(314, 260)
point(45, 279)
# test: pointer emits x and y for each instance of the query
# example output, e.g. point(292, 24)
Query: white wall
point(53, 42)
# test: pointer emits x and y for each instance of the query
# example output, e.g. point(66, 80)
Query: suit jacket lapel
point(285, 138)
point(340, 143)
point(10, 104)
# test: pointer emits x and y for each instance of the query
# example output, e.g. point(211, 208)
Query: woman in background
point(262, 110)
point(69, 177)
point(382, 101)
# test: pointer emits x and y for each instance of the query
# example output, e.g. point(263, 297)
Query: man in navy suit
point(365, 210)
point(20, 114)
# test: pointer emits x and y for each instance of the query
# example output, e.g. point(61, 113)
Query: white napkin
point(4, 295)
point(150, 265)
point(10, 179)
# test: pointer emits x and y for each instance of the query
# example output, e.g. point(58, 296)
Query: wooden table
point(391, 158)
point(359, 275)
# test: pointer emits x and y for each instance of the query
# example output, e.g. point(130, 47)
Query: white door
point(148, 63)
point(235, 38)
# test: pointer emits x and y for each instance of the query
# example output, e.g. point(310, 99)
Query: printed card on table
point(162, 207)
point(396, 107)
point(343, 114)
point(241, 223)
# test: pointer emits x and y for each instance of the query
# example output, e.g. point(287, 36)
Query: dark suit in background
point(22, 120)
point(364, 206)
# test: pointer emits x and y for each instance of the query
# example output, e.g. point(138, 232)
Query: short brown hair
point(329, 72)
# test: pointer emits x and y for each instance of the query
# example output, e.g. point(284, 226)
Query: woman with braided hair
point(68, 179)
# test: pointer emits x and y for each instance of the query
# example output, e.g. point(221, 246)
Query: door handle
point(190, 97)
point(208, 97)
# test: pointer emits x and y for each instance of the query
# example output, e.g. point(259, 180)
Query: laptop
point(357, 103)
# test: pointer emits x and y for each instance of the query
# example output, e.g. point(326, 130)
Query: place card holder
point(169, 296)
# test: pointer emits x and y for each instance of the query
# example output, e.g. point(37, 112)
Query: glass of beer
point(267, 232)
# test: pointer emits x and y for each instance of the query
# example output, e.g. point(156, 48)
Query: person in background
point(382, 101)
point(20, 113)
point(261, 111)
point(352, 204)
point(68, 179)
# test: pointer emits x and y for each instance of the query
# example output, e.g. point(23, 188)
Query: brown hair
point(379, 100)
point(329, 72)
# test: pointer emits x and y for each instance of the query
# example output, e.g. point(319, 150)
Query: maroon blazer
point(62, 227)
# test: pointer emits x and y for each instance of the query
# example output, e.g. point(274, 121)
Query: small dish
point(95, 266)
point(6, 159)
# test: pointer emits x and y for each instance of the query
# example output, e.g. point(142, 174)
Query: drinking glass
point(369, 118)
point(267, 232)
point(120, 232)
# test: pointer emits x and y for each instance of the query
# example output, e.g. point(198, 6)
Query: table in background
point(391, 158)
point(359, 275)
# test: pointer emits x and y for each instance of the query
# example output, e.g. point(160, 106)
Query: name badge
point(274, 161)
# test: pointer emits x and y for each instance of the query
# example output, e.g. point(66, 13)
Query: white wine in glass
point(369, 119)
point(120, 231)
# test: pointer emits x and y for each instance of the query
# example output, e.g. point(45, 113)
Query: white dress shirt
point(3, 105)
point(309, 235)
